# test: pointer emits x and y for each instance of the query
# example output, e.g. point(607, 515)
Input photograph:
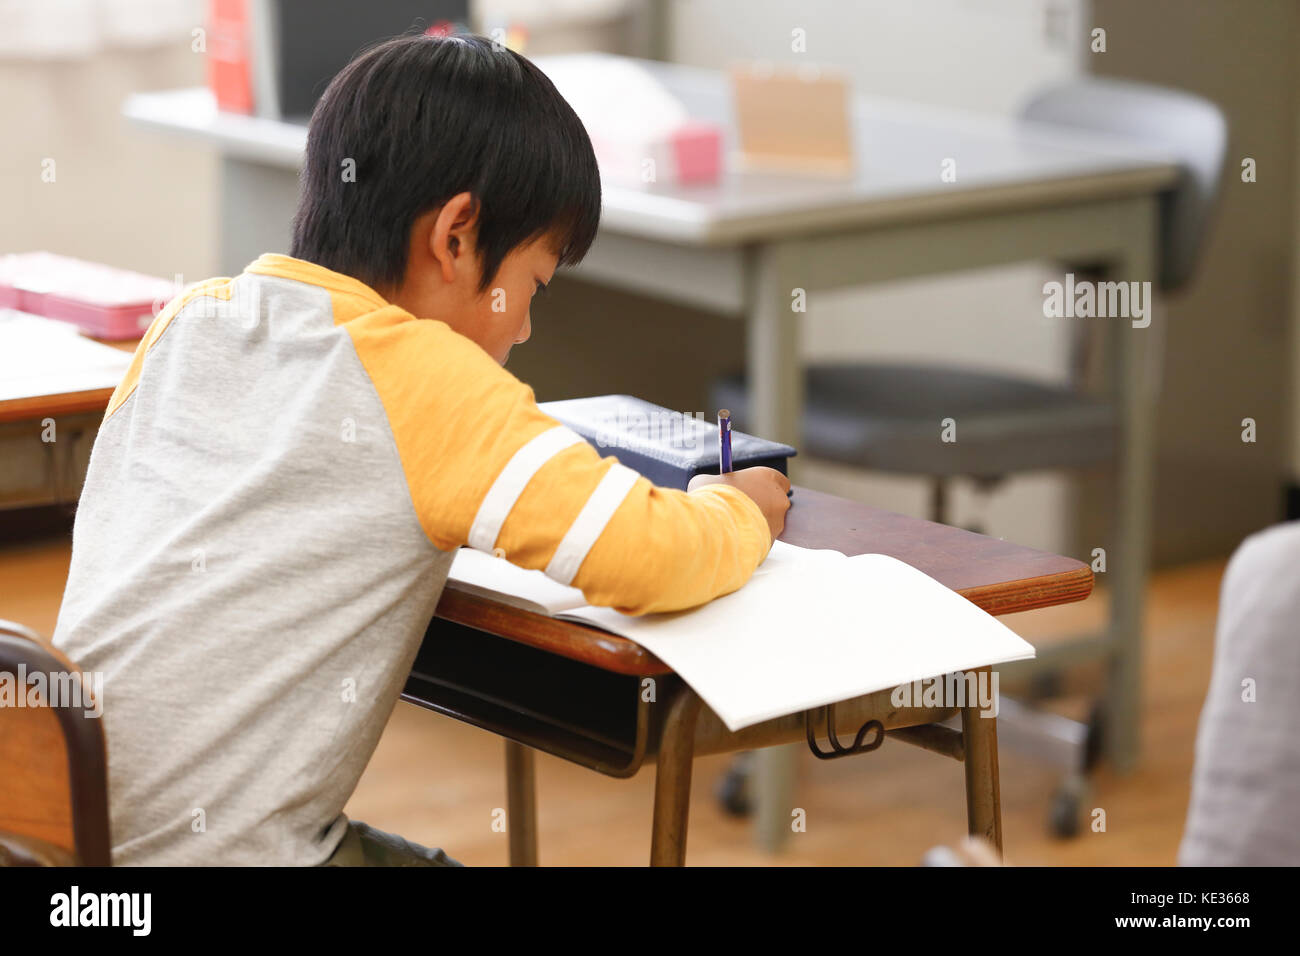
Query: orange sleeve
point(486, 467)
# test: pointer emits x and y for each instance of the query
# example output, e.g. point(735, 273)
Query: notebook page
point(816, 627)
point(489, 576)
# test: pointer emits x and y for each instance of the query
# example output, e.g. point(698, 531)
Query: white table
point(1021, 193)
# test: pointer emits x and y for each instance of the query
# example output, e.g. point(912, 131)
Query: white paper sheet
point(817, 628)
point(40, 356)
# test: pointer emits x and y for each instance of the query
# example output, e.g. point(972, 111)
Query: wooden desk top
point(998, 576)
point(37, 407)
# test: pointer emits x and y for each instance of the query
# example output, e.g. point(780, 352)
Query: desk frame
point(582, 694)
point(673, 728)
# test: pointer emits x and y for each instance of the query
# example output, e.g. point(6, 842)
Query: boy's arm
point(486, 467)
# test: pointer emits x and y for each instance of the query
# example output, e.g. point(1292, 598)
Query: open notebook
point(810, 628)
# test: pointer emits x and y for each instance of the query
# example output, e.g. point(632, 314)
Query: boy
point(285, 473)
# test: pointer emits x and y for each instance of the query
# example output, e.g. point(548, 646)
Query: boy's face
point(443, 273)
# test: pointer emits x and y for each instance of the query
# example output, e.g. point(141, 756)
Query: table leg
point(774, 370)
point(521, 804)
point(773, 786)
point(979, 736)
point(673, 780)
point(1133, 351)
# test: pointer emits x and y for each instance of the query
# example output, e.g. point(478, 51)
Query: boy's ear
point(455, 225)
point(455, 228)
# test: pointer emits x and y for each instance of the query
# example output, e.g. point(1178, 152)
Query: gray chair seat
point(888, 418)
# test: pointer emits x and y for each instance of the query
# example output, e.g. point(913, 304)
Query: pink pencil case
point(107, 303)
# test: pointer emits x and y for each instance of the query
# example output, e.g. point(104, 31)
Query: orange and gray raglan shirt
point(272, 504)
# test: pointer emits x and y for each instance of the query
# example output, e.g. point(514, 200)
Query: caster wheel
point(1045, 686)
point(733, 790)
point(1069, 805)
point(1096, 739)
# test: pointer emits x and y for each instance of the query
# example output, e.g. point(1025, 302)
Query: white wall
point(119, 196)
point(981, 54)
point(976, 54)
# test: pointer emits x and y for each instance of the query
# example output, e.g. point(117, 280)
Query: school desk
point(1022, 192)
point(584, 694)
point(42, 382)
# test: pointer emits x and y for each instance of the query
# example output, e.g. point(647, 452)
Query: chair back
point(53, 762)
point(1191, 129)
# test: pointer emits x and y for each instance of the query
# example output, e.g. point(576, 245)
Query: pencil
point(724, 442)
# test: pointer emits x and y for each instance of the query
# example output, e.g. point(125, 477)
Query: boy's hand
point(766, 486)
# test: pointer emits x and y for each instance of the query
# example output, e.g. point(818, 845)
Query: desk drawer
point(590, 716)
point(38, 472)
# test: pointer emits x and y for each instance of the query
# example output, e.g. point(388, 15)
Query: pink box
point(107, 303)
point(697, 148)
point(688, 154)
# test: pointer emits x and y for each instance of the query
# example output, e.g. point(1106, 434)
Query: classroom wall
point(977, 54)
point(118, 196)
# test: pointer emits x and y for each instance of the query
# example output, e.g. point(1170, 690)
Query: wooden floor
point(438, 782)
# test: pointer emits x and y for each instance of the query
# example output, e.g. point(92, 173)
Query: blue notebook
point(670, 448)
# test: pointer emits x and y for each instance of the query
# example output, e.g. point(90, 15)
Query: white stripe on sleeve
point(510, 484)
point(591, 521)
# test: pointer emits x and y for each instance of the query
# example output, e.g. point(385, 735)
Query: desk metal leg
point(775, 777)
point(774, 371)
point(1133, 352)
point(521, 804)
point(673, 780)
point(979, 737)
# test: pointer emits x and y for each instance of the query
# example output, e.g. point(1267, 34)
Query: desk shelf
point(582, 713)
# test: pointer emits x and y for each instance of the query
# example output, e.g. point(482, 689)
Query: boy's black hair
point(424, 118)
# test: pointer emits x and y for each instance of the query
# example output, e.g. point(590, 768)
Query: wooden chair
point(53, 766)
